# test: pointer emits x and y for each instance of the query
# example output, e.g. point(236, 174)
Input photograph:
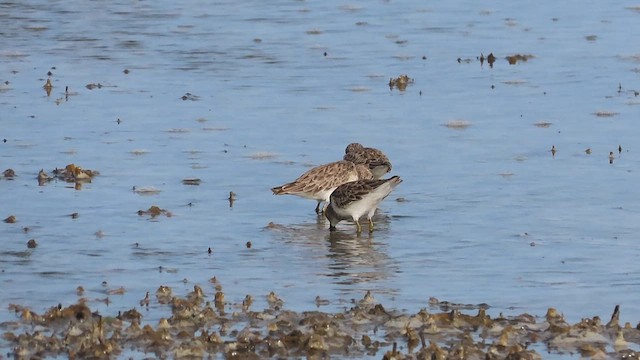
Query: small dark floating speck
point(31, 244)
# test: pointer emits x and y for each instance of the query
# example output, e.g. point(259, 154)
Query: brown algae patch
point(401, 82)
point(542, 124)
point(359, 89)
point(262, 155)
point(514, 82)
point(154, 211)
point(139, 152)
point(457, 124)
point(516, 58)
point(178, 130)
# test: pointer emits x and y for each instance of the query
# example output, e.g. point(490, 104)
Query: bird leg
point(318, 208)
point(358, 227)
point(370, 225)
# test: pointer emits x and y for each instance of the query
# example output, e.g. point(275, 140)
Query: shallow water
point(489, 215)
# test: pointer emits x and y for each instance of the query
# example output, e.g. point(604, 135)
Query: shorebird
point(319, 182)
point(357, 198)
point(375, 159)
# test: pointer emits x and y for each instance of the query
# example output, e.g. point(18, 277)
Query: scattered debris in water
point(71, 173)
point(197, 325)
point(11, 219)
point(611, 157)
point(32, 244)
point(553, 150)
point(490, 59)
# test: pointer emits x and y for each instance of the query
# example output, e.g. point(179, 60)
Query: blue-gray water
point(272, 88)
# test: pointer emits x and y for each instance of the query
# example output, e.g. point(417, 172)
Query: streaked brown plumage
point(375, 159)
point(354, 199)
point(319, 182)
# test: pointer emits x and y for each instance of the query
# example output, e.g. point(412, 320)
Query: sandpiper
point(357, 198)
point(319, 182)
point(375, 159)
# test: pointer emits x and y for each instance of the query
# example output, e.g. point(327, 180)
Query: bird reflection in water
point(343, 255)
point(357, 259)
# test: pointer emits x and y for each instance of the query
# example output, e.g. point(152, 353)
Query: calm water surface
point(489, 214)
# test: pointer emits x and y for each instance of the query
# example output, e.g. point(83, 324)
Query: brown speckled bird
point(375, 159)
point(357, 198)
point(319, 182)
